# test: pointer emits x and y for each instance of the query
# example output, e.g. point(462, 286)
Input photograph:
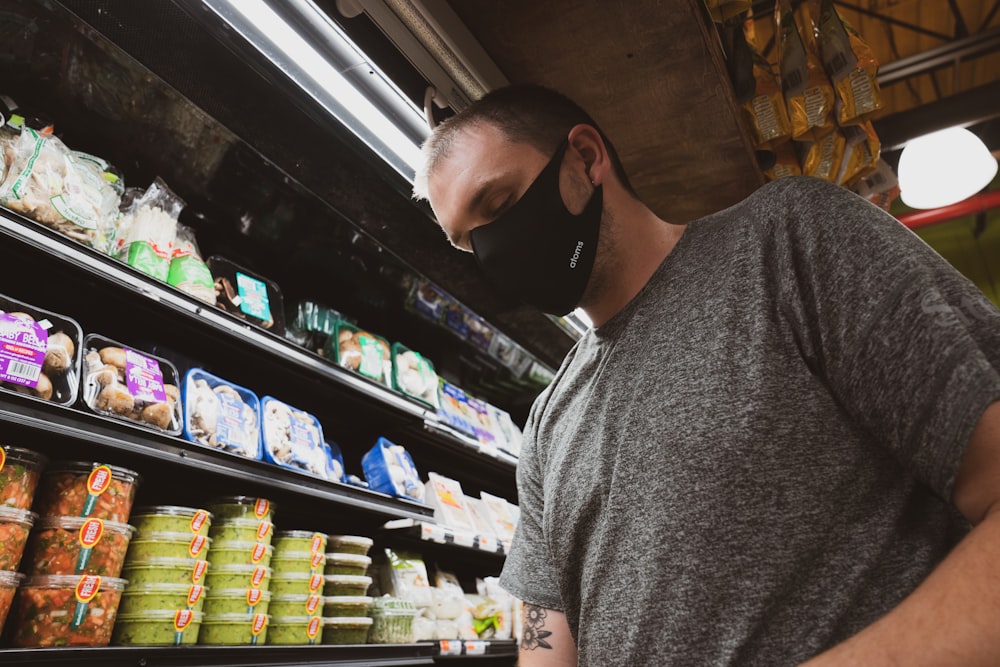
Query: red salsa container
point(8, 586)
point(85, 489)
point(19, 473)
point(65, 610)
point(15, 525)
point(75, 545)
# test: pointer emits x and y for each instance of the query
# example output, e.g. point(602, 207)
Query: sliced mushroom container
point(293, 439)
point(42, 352)
point(122, 382)
point(221, 415)
point(360, 351)
point(247, 295)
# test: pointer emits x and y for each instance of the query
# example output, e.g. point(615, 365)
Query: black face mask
point(537, 251)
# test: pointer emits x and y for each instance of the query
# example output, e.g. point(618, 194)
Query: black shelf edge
point(224, 656)
point(466, 443)
point(428, 531)
point(123, 437)
point(457, 648)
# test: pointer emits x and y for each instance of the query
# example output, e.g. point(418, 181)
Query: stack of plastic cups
point(345, 607)
point(20, 470)
point(166, 570)
point(297, 605)
point(236, 609)
point(75, 556)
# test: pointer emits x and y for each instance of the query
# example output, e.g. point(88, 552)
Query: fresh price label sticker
point(86, 590)
point(89, 536)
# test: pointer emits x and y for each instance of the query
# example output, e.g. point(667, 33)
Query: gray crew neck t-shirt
point(752, 461)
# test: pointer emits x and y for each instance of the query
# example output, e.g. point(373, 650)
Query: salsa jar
point(9, 582)
point(19, 473)
point(87, 489)
point(15, 525)
point(74, 545)
point(65, 610)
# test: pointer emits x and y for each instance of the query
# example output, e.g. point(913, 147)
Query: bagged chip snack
point(822, 158)
point(861, 153)
point(764, 111)
point(148, 229)
point(808, 93)
point(188, 271)
point(786, 163)
point(851, 66)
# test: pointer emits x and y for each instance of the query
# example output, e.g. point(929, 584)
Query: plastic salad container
point(247, 601)
point(346, 630)
point(360, 351)
point(142, 598)
point(158, 628)
point(350, 544)
point(340, 585)
point(389, 469)
point(242, 507)
point(221, 577)
point(241, 553)
point(42, 357)
point(166, 571)
point(20, 470)
point(392, 621)
point(298, 562)
point(295, 630)
point(336, 606)
point(65, 610)
point(413, 375)
point(127, 384)
point(15, 525)
point(312, 324)
point(87, 489)
point(234, 630)
point(293, 439)
point(247, 295)
point(220, 414)
point(298, 541)
point(296, 605)
point(297, 584)
point(170, 545)
point(74, 545)
point(347, 564)
point(241, 530)
point(9, 581)
point(170, 519)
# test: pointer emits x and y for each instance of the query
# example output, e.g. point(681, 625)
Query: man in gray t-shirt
point(765, 452)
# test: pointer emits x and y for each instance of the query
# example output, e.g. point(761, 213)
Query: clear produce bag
point(148, 228)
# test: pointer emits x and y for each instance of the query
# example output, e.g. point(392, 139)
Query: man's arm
point(951, 618)
point(546, 640)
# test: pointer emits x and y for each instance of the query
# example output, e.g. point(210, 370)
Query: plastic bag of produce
point(764, 111)
point(405, 577)
point(188, 271)
point(851, 66)
point(67, 191)
point(148, 228)
point(808, 93)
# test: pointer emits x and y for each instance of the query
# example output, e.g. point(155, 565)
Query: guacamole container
point(166, 571)
point(65, 610)
point(296, 605)
point(9, 581)
point(242, 530)
point(247, 601)
point(346, 630)
point(340, 584)
point(169, 545)
point(242, 507)
point(178, 627)
point(347, 564)
point(301, 562)
point(87, 489)
point(15, 525)
point(20, 470)
point(74, 545)
point(143, 598)
point(170, 519)
point(298, 541)
point(221, 577)
point(350, 544)
point(241, 553)
point(297, 584)
point(234, 630)
point(339, 606)
point(295, 630)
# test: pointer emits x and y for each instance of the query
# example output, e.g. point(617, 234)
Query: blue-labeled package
point(336, 461)
point(294, 439)
point(454, 410)
point(389, 469)
point(220, 414)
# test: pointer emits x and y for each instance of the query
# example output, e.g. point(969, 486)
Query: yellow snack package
point(861, 153)
point(808, 93)
point(765, 111)
point(786, 162)
point(723, 10)
point(851, 66)
point(821, 158)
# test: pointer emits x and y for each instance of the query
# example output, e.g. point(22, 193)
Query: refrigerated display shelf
point(455, 648)
point(464, 442)
point(427, 531)
point(375, 655)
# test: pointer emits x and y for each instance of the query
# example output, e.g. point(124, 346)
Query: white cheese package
point(220, 414)
point(413, 374)
point(405, 576)
point(126, 383)
point(294, 439)
point(481, 520)
point(40, 354)
point(389, 469)
point(446, 497)
point(503, 516)
point(454, 410)
point(508, 435)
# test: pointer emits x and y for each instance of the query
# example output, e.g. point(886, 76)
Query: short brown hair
point(524, 113)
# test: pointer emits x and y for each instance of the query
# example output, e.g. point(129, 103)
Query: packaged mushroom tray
point(39, 352)
point(221, 415)
point(293, 439)
point(413, 375)
point(125, 383)
point(248, 296)
point(360, 351)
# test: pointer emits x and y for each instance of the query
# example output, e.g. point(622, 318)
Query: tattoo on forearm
point(534, 635)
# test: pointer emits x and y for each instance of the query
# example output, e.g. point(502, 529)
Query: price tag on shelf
point(450, 647)
point(487, 544)
point(464, 539)
point(433, 533)
point(475, 648)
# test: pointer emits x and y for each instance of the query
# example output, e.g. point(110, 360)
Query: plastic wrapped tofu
point(41, 352)
point(389, 469)
point(446, 497)
point(125, 383)
point(221, 415)
point(413, 374)
point(294, 439)
point(362, 352)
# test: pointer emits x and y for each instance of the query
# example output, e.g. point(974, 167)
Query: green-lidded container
point(166, 571)
point(242, 507)
point(169, 545)
point(247, 601)
point(413, 374)
point(178, 627)
point(339, 606)
point(350, 544)
point(297, 584)
point(224, 531)
point(298, 562)
point(296, 605)
point(142, 598)
point(347, 564)
point(234, 630)
point(341, 584)
point(221, 577)
point(241, 553)
point(295, 630)
point(346, 630)
point(170, 519)
point(299, 541)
